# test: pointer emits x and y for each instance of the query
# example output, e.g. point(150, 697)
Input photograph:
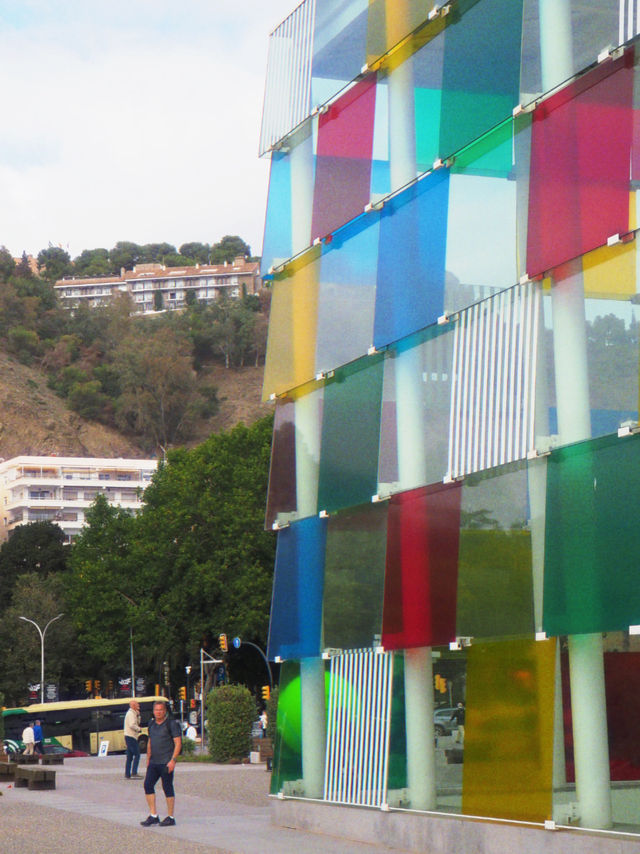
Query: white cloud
point(132, 121)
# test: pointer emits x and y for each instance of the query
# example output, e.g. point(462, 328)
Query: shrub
point(230, 713)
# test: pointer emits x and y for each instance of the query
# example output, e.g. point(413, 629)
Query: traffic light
point(443, 685)
point(111, 686)
point(222, 640)
point(266, 692)
point(182, 693)
point(88, 686)
point(437, 679)
point(97, 685)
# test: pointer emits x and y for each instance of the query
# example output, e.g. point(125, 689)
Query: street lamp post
point(42, 633)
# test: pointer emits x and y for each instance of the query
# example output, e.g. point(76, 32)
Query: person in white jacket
point(28, 740)
point(131, 733)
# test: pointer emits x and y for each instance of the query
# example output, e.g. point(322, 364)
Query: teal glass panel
point(416, 403)
point(276, 246)
point(347, 293)
point(350, 435)
point(296, 606)
point(481, 76)
point(592, 538)
point(354, 577)
point(287, 751)
point(495, 585)
point(508, 762)
point(411, 259)
point(482, 233)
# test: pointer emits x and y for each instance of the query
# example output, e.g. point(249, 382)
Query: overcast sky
point(132, 120)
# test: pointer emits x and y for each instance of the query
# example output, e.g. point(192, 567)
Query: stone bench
point(8, 770)
point(52, 759)
point(28, 759)
point(35, 778)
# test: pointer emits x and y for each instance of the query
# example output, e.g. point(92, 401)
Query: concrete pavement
point(94, 810)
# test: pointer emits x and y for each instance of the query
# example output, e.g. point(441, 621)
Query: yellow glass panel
point(508, 746)
point(291, 346)
point(610, 271)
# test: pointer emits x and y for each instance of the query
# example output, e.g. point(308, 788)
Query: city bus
point(77, 724)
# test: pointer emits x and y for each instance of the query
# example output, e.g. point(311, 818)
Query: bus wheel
point(142, 743)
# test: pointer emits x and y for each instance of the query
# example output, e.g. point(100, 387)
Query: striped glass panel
point(287, 98)
point(358, 728)
point(494, 373)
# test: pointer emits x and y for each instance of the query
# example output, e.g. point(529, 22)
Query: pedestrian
point(458, 717)
point(163, 749)
point(131, 735)
point(28, 740)
point(264, 721)
point(38, 739)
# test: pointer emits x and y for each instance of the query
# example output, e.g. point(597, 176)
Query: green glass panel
point(495, 586)
point(592, 537)
point(350, 434)
point(427, 106)
point(287, 752)
point(508, 752)
point(354, 577)
point(397, 768)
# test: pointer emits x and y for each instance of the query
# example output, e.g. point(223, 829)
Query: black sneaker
point(149, 820)
point(169, 821)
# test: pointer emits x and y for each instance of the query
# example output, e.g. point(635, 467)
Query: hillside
point(33, 420)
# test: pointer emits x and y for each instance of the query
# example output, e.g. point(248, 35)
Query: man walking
point(163, 748)
point(131, 734)
point(38, 738)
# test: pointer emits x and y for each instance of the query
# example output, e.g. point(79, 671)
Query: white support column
point(314, 726)
point(555, 42)
point(307, 444)
point(418, 668)
point(586, 663)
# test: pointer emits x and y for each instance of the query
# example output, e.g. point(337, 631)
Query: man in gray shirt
point(163, 748)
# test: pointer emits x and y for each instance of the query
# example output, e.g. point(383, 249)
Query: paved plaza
point(94, 810)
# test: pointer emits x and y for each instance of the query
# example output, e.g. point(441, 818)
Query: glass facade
point(454, 351)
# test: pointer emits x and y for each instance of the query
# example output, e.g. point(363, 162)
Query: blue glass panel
point(411, 256)
point(346, 296)
point(296, 608)
point(277, 227)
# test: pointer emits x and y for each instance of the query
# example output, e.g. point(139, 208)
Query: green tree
point(159, 397)
point(94, 262)
point(174, 259)
point(39, 599)
point(230, 247)
point(34, 548)
point(198, 251)
point(54, 263)
point(125, 254)
point(7, 264)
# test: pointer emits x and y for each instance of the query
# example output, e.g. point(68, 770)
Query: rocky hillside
point(33, 420)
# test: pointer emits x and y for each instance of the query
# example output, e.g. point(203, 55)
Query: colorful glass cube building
point(454, 357)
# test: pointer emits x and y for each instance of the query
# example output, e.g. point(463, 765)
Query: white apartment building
point(61, 489)
point(154, 287)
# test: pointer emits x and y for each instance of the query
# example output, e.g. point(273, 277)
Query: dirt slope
point(33, 420)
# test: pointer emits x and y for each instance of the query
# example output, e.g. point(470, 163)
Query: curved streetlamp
point(42, 634)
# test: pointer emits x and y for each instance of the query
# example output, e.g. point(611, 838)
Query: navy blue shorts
point(157, 772)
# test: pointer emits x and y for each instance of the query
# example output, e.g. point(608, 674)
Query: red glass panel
point(343, 163)
point(281, 496)
point(580, 160)
point(421, 570)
